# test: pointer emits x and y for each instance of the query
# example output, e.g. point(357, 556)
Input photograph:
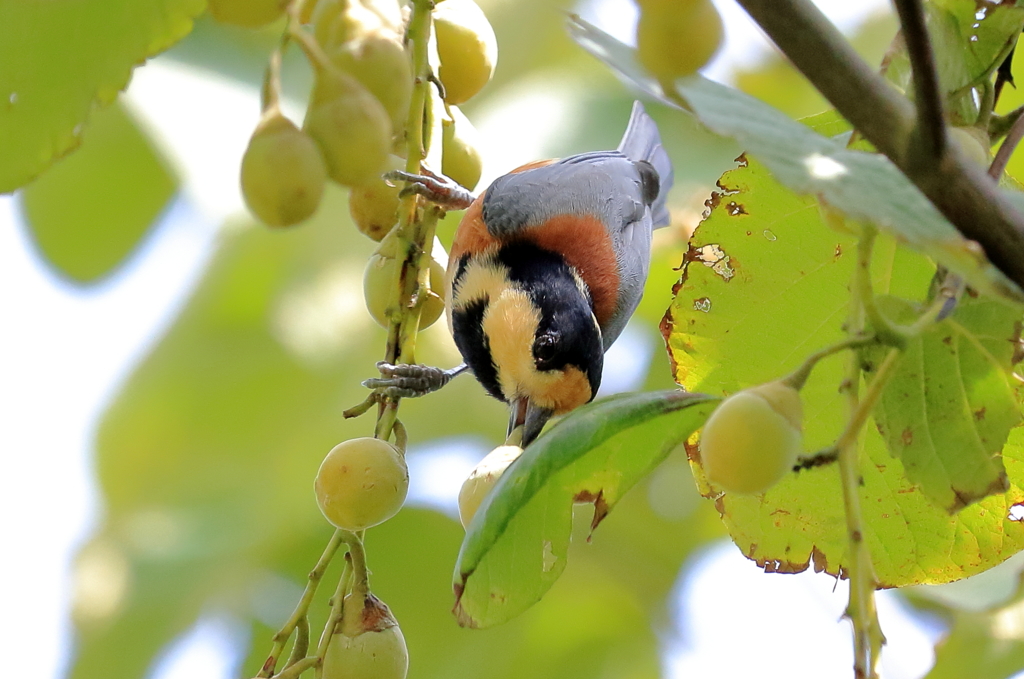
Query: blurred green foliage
point(88, 213)
point(206, 458)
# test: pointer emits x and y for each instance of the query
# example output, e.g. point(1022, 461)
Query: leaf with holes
point(863, 186)
point(948, 408)
point(516, 544)
point(765, 284)
point(61, 60)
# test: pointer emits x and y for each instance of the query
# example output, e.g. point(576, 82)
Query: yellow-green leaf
point(948, 408)
point(90, 210)
point(766, 283)
point(61, 59)
point(517, 543)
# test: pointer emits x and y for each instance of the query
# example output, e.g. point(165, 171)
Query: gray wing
point(607, 185)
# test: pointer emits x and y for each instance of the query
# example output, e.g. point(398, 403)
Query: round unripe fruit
point(753, 438)
point(674, 39)
point(351, 127)
point(374, 206)
point(482, 479)
point(467, 48)
point(460, 159)
point(378, 278)
point(247, 13)
point(361, 482)
point(283, 173)
point(336, 22)
point(974, 143)
point(382, 65)
point(375, 650)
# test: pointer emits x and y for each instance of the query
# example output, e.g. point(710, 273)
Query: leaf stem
point(301, 610)
point(885, 330)
point(929, 135)
point(798, 377)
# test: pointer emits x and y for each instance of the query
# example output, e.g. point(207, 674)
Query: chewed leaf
point(62, 59)
point(788, 297)
point(949, 407)
point(864, 186)
point(516, 546)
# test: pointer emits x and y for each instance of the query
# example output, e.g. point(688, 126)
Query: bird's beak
point(531, 417)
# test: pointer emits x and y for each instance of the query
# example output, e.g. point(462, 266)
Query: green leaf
point(864, 186)
point(516, 545)
point(968, 41)
point(765, 284)
point(983, 644)
point(63, 59)
point(92, 208)
point(949, 407)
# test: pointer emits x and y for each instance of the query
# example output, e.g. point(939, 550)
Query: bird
point(546, 267)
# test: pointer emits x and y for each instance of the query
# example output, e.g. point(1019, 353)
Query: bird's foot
point(410, 380)
point(434, 187)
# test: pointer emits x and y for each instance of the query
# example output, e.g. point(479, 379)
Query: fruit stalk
point(337, 605)
point(301, 609)
point(415, 227)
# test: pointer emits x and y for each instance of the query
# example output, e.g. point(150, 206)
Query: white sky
point(65, 352)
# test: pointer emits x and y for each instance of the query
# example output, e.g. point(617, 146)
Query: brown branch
point(962, 192)
point(930, 134)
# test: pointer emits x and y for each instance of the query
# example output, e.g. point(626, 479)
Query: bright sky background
point(65, 352)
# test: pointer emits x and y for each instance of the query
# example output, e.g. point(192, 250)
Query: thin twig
point(1007, 148)
point(930, 133)
point(301, 609)
point(337, 604)
point(861, 607)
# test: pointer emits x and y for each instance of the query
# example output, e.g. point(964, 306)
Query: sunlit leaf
point(948, 408)
point(864, 186)
point(92, 208)
point(63, 59)
point(765, 284)
point(516, 545)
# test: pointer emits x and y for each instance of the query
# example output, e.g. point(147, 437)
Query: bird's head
point(524, 322)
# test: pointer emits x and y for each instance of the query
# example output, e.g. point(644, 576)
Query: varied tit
point(546, 267)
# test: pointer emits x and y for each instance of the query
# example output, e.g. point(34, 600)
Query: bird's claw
point(409, 380)
point(434, 187)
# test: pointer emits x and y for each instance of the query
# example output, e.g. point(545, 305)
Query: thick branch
point(962, 192)
point(930, 134)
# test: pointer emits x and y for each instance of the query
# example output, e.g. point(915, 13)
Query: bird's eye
point(544, 349)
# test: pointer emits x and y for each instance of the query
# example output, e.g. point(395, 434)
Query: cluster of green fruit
point(355, 123)
point(674, 38)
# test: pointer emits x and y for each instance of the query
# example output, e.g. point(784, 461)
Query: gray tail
point(641, 141)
